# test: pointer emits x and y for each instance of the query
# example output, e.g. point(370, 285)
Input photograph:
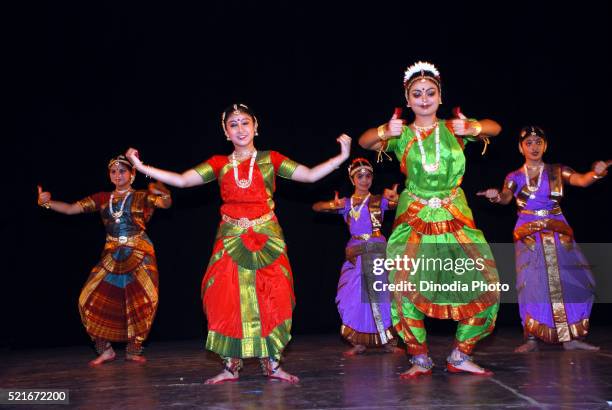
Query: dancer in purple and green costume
point(555, 286)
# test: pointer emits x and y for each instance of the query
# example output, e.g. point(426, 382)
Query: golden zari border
point(549, 335)
point(554, 286)
point(366, 339)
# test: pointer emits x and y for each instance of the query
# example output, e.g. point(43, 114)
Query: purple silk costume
point(555, 286)
point(357, 314)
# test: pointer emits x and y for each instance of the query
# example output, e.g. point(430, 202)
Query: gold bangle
point(478, 126)
point(381, 132)
point(595, 176)
point(165, 196)
point(46, 205)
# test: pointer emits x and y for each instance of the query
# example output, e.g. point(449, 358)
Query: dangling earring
point(256, 133)
point(227, 138)
point(132, 178)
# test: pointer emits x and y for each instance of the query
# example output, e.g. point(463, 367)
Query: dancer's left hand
point(461, 125)
point(391, 194)
point(601, 168)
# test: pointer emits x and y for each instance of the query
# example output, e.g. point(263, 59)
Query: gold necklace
point(356, 213)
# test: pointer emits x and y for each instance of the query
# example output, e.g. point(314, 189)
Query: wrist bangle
point(477, 126)
point(46, 205)
point(144, 170)
point(595, 176)
point(380, 131)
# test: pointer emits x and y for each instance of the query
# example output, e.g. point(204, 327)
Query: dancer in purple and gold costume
point(555, 286)
point(364, 308)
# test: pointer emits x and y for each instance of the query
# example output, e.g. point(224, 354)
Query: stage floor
point(173, 376)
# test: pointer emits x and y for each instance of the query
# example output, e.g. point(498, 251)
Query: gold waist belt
point(125, 240)
point(541, 212)
point(435, 202)
point(366, 236)
point(245, 223)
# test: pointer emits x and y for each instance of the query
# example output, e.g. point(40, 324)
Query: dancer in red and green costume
point(434, 222)
point(247, 289)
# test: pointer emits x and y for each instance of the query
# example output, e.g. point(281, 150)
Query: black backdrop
point(87, 80)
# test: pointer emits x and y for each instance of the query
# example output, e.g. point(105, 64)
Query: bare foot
point(468, 366)
point(135, 358)
point(528, 346)
point(357, 349)
point(222, 377)
point(282, 375)
point(107, 356)
point(414, 372)
point(578, 345)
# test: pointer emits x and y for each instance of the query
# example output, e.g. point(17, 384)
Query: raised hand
point(133, 156)
point(43, 197)
point(345, 145)
point(460, 125)
point(395, 125)
point(338, 202)
point(391, 194)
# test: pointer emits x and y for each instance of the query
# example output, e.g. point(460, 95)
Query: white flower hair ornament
point(421, 69)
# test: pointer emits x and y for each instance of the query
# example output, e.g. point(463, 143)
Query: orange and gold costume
point(119, 299)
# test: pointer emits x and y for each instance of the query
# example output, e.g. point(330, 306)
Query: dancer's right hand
point(492, 194)
point(345, 146)
point(43, 197)
point(338, 202)
point(395, 125)
point(132, 155)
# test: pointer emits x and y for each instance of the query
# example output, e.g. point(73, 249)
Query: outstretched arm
point(493, 195)
point(305, 174)
point(330, 206)
point(600, 170)
point(44, 200)
point(187, 179)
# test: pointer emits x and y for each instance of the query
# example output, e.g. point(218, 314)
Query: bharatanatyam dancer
point(433, 223)
point(365, 312)
point(119, 299)
point(554, 283)
point(247, 289)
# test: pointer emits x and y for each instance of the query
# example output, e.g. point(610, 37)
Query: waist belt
point(435, 202)
point(366, 236)
point(124, 240)
point(245, 223)
point(541, 212)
